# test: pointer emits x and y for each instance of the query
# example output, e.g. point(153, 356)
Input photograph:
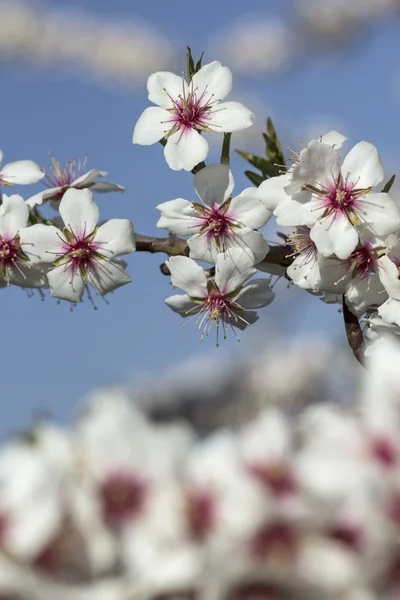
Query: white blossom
point(225, 301)
point(14, 264)
point(59, 180)
point(185, 110)
point(221, 221)
point(82, 253)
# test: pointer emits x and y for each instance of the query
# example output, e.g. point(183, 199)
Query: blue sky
point(51, 356)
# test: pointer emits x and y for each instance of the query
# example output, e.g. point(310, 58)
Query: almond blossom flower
point(336, 199)
point(185, 110)
point(276, 192)
point(82, 253)
point(220, 222)
point(22, 172)
point(14, 263)
point(225, 301)
point(59, 180)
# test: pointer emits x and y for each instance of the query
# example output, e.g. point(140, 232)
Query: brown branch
point(171, 245)
point(353, 332)
point(176, 246)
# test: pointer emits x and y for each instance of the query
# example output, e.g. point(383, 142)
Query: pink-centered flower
point(185, 110)
point(82, 253)
point(224, 302)
point(221, 221)
point(58, 180)
point(334, 200)
point(14, 263)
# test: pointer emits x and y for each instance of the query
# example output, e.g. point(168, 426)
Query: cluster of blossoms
point(291, 504)
point(346, 230)
point(345, 242)
point(70, 252)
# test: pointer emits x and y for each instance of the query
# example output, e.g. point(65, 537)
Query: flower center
point(123, 496)
point(347, 534)
point(201, 513)
point(191, 110)
point(277, 540)
point(80, 252)
point(362, 261)
point(10, 256)
point(301, 242)
point(340, 196)
point(219, 309)
point(63, 177)
point(276, 476)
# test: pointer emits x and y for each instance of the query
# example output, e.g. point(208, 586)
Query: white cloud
point(118, 51)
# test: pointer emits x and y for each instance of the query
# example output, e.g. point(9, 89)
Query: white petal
point(41, 197)
point(88, 177)
point(164, 85)
point(203, 248)
point(230, 116)
point(79, 211)
point(305, 272)
point(380, 212)
point(390, 311)
point(41, 243)
point(250, 241)
point(243, 319)
point(334, 235)
point(14, 215)
point(334, 139)
point(152, 126)
point(185, 149)
point(179, 217)
point(256, 294)
point(27, 276)
point(1, 156)
point(182, 304)
point(318, 165)
point(102, 187)
point(214, 184)
point(107, 276)
point(272, 191)
point(64, 284)
point(363, 166)
point(247, 209)
point(188, 276)
point(331, 276)
point(363, 293)
point(117, 236)
point(215, 79)
point(21, 172)
point(389, 276)
point(233, 268)
point(298, 210)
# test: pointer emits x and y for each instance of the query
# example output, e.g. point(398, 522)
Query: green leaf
point(389, 184)
point(198, 64)
point(190, 66)
point(255, 178)
point(266, 167)
point(273, 148)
